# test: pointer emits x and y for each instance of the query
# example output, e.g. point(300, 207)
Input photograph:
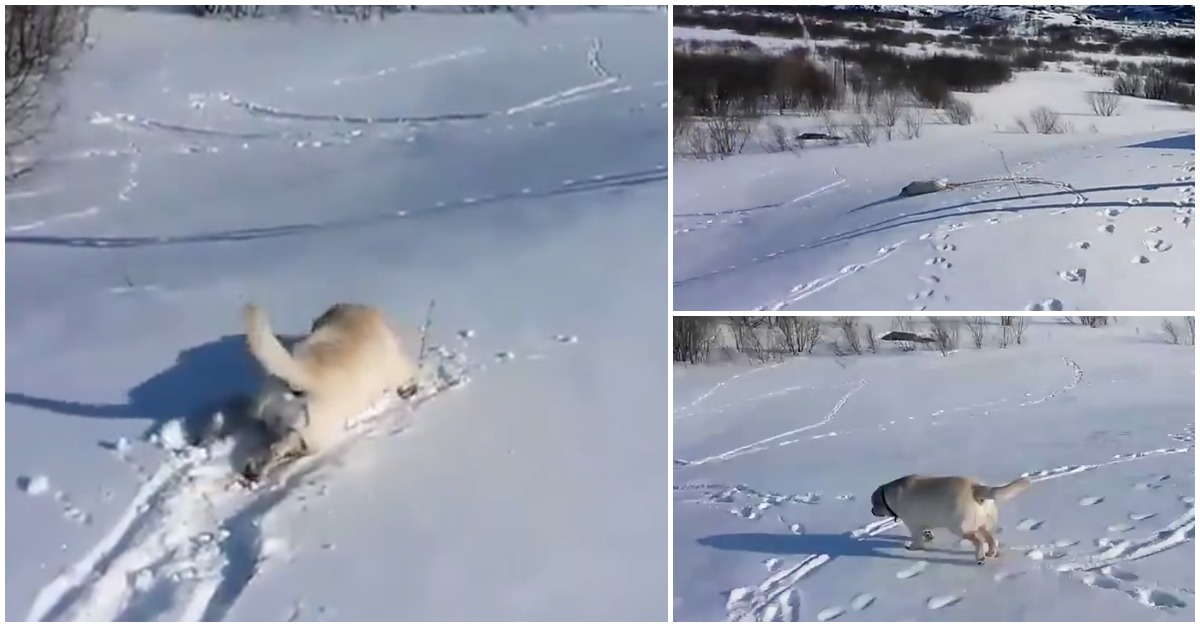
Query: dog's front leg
point(918, 537)
point(287, 448)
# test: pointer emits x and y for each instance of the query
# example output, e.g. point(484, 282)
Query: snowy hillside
point(489, 164)
point(1093, 211)
point(775, 465)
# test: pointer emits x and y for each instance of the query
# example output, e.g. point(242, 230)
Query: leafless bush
point(1022, 125)
point(1046, 121)
point(1019, 324)
point(958, 112)
point(746, 337)
point(1172, 332)
point(914, 120)
point(944, 332)
point(780, 140)
point(40, 42)
point(832, 127)
point(872, 344)
point(1104, 103)
point(1189, 323)
point(799, 334)
point(727, 130)
point(1006, 330)
point(1093, 321)
point(887, 113)
point(849, 328)
point(977, 326)
point(241, 11)
point(693, 338)
point(1127, 85)
point(862, 131)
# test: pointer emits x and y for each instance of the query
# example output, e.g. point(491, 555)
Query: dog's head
point(879, 505)
point(280, 408)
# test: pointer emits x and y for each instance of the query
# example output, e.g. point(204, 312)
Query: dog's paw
point(928, 535)
point(407, 391)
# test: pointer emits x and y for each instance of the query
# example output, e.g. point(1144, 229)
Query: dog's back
point(958, 503)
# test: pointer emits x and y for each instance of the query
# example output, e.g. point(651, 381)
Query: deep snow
point(824, 229)
point(491, 165)
point(775, 465)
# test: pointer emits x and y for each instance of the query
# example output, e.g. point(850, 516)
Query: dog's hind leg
point(287, 448)
point(993, 545)
point(978, 543)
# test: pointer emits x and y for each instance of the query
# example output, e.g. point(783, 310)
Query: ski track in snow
point(191, 539)
point(326, 137)
point(762, 445)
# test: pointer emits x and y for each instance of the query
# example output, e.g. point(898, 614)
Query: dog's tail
point(1002, 493)
point(269, 351)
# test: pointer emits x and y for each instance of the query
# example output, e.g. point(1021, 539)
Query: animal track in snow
point(1140, 259)
point(1091, 500)
point(1153, 229)
point(933, 261)
point(1110, 213)
point(1050, 304)
point(942, 600)
point(947, 248)
point(1077, 275)
point(830, 613)
point(913, 571)
point(1120, 528)
point(1082, 245)
point(1138, 200)
point(1029, 524)
point(1157, 245)
point(932, 279)
point(1138, 517)
point(1107, 228)
point(1066, 542)
point(862, 601)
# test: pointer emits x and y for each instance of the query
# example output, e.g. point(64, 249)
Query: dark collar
point(883, 499)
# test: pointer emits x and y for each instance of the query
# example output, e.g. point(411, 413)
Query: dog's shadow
point(218, 377)
point(833, 545)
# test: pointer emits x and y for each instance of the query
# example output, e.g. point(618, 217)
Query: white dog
point(350, 359)
point(964, 506)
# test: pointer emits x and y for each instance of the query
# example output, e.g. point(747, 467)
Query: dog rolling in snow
point(349, 360)
point(964, 506)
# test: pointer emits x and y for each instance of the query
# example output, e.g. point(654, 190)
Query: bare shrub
point(1046, 121)
point(799, 334)
point(849, 328)
point(1093, 321)
point(40, 42)
point(1022, 125)
point(914, 121)
point(977, 326)
point(1006, 330)
point(727, 130)
point(1189, 323)
point(1104, 103)
point(887, 113)
point(944, 332)
point(696, 140)
point(832, 127)
point(958, 112)
point(872, 344)
point(1171, 331)
point(780, 140)
point(1127, 85)
point(1019, 324)
point(693, 338)
point(746, 337)
point(862, 131)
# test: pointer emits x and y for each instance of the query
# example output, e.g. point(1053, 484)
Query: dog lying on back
point(964, 506)
point(349, 360)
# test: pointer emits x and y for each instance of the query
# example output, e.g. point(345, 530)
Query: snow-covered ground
point(823, 228)
point(491, 165)
point(775, 466)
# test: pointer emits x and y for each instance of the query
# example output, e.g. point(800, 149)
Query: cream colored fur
point(964, 506)
point(349, 360)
